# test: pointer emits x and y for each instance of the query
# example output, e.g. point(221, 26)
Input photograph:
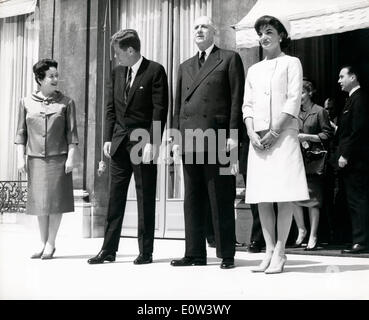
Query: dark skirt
point(315, 186)
point(50, 190)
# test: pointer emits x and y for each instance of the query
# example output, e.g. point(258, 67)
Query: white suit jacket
point(272, 87)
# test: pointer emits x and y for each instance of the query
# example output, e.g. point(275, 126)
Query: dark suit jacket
point(353, 130)
point(147, 102)
point(210, 97)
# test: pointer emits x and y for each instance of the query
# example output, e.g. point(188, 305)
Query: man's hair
point(127, 38)
point(40, 68)
point(352, 69)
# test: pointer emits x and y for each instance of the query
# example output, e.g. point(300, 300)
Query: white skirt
point(277, 174)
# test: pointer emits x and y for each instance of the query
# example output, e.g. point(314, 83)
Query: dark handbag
point(315, 160)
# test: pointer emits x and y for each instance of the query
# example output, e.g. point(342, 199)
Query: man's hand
point(231, 143)
point(176, 155)
point(148, 153)
point(342, 162)
point(107, 146)
point(235, 168)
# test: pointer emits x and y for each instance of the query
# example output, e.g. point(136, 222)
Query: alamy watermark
point(215, 144)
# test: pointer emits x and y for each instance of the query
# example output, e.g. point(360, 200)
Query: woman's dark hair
point(40, 68)
point(309, 86)
point(274, 22)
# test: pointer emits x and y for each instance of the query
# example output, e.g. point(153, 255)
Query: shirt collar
point(353, 90)
point(137, 65)
point(207, 51)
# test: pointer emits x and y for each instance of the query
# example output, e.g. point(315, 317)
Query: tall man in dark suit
point(209, 98)
point(137, 99)
point(353, 156)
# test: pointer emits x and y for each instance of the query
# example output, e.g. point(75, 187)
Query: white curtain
point(165, 28)
point(18, 52)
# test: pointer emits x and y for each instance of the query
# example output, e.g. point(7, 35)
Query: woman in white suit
point(276, 171)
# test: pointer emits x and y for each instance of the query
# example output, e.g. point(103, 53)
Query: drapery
point(165, 28)
point(18, 52)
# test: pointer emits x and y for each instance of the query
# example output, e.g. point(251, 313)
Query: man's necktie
point(202, 58)
point(128, 84)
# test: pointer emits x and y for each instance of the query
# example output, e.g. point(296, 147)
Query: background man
point(353, 157)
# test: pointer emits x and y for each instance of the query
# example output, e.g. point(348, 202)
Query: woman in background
point(275, 172)
point(47, 134)
point(315, 132)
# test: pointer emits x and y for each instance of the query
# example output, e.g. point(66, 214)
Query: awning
point(10, 8)
point(308, 18)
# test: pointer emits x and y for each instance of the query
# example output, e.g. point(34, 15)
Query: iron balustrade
point(13, 196)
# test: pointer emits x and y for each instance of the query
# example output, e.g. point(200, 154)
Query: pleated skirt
point(277, 174)
point(49, 188)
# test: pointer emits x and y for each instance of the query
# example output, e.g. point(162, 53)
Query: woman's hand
point(71, 159)
point(268, 140)
point(68, 165)
point(255, 140)
point(22, 168)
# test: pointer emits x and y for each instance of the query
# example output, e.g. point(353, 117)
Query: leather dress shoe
point(239, 244)
point(356, 248)
point(188, 261)
point(103, 255)
point(143, 259)
point(254, 247)
point(227, 263)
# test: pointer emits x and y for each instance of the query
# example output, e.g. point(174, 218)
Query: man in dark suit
point(137, 99)
point(353, 157)
point(209, 98)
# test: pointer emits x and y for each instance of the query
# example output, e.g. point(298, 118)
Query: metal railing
point(13, 196)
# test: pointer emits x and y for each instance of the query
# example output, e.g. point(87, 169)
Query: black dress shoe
point(188, 261)
point(254, 247)
point(103, 255)
point(239, 244)
point(227, 263)
point(356, 248)
point(143, 259)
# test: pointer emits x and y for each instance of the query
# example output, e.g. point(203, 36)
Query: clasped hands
point(264, 143)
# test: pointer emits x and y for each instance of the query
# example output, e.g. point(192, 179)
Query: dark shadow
point(89, 256)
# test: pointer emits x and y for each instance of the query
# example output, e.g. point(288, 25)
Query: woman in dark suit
point(315, 132)
point(47, 134)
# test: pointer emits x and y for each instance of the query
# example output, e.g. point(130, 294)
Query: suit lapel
point(210, 64)
point(122, 77)
point(138, 78)
point(193, 69)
